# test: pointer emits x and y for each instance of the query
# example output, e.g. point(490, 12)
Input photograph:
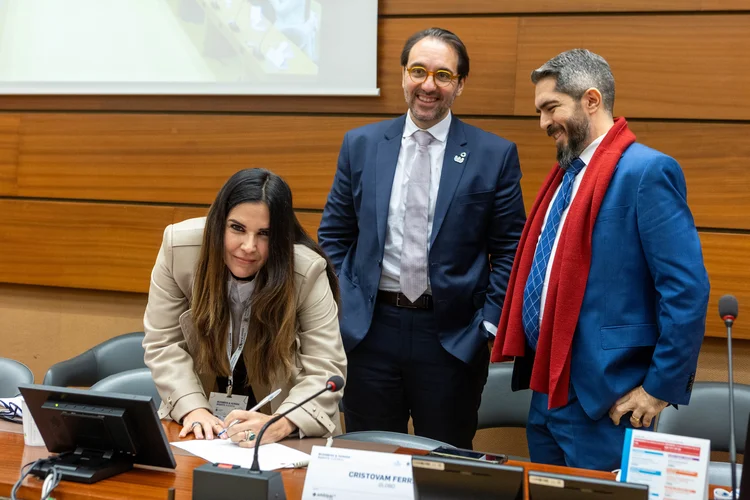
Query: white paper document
point(343, 474)
point(672, 466)
point(271, 456)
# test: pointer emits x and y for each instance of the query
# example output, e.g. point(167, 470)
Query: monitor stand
point(84, 465)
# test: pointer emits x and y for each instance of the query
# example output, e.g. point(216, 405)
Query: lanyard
point(235, 356)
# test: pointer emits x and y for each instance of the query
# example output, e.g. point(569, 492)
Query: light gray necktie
point(413, 273)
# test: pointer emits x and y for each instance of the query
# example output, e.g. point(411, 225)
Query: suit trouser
point(567, 436)
point(400, 369)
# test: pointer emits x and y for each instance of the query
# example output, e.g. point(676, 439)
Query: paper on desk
point(272, 456)
point(12, 404)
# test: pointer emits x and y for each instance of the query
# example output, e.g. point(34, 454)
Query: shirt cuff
point(491, 329)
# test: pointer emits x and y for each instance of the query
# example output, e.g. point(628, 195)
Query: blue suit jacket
point(479, 216)
point(644, 310)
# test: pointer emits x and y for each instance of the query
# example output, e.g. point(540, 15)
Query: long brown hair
point(269, 350)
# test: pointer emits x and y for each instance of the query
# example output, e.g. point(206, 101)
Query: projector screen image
point(288, 47)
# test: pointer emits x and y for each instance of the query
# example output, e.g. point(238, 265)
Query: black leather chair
point(115, 355)
point(138, 381)
point(13, 373)
point(395, 439)
point(707, 417)
point(500, 406)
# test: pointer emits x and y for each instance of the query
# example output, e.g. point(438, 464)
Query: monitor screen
point(548, 486)
point(439, 478)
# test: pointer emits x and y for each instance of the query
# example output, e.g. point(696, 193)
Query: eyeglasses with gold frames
point(441, 77)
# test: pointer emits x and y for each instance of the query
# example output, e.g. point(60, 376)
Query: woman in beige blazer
point(248, 272)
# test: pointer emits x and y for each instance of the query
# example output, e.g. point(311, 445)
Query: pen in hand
point(257, 407)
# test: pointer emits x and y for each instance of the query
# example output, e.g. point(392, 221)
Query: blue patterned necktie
point(532, 293)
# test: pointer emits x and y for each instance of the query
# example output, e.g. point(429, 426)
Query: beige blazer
point(171, 336)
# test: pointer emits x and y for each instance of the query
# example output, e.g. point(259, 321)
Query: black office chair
point(115, 355)
point(138, 381)
point(707, 417)
point(13, 373)
point(500, 406)
point(395, 439)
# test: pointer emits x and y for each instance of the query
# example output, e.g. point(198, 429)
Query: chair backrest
point(395, 439)
point(138, 381)
point(501, 407)
point(707, 415)
point(118, 354)
point(13, 373)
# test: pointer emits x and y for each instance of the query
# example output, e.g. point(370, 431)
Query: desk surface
point(150, 484)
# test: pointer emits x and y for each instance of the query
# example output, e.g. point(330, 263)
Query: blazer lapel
point(454, 163)
point(385, 169)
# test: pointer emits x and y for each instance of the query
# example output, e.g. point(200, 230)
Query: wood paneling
point(113, 247)
point(89, 245)
point(679, 66)
point(186, 158)
point(80, 245)
point(713, 157)
point(491, 44)
point(726, 257)
point(420, 7)
point(9, 124)
point(174, 158)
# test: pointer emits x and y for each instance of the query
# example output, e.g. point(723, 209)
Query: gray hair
point(576, 71)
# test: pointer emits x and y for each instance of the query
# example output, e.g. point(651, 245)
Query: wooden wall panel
point(680, 66)
point(726, 257)
point(186, 158)
point(80, 245)
point(174, 158)
point(463, 7)
point(492, 48)
point(713, 157)
point(9, 124)
point(113, 247)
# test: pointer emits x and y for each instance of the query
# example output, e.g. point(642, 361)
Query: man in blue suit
point(422, 223)
point(606, 304)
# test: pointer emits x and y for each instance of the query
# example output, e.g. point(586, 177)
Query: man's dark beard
point(578, 132)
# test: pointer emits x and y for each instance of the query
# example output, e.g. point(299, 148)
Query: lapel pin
point(459, 158)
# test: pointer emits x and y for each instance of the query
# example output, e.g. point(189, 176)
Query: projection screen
point(264, 47)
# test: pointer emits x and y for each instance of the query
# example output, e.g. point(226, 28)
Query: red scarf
point(570, 269)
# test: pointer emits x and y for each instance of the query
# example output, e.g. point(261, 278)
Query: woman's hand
point(245, 431)
point(202, 423)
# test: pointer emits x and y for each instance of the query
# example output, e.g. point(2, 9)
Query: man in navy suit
point(422, 223)
point(606, 305)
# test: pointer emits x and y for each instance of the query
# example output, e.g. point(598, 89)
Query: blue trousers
point(567, 436)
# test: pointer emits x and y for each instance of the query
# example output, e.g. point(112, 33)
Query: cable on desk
point(51, 481)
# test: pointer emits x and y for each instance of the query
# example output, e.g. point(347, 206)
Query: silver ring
point(194, 424)
point(249, 435)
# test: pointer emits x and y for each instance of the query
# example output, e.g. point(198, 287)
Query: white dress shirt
point(394, 235)
point(585, 156)
point(239, 296)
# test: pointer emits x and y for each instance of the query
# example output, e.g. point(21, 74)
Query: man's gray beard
point(577, 134)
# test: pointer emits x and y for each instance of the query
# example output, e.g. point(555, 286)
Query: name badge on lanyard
point(222, 404)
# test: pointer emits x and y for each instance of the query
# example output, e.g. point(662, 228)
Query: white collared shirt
point(585, 156)
point(394, 235)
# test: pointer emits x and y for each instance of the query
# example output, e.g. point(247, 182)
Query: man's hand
point(246, 431)
point(644, 407)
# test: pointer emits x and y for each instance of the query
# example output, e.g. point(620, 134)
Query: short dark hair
point(577, 70)
point(444, 36)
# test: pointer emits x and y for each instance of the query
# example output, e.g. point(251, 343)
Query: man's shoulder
point(485, 138)
point(640, 156)
point(374, 130)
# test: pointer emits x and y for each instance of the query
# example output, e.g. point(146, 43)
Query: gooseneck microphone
point(333, 384)
point(728, 311)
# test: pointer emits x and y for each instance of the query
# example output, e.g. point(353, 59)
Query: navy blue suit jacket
point(479, 216)
point(643, 315)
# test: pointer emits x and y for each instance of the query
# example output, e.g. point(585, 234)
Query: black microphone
point(333, 384)
point(728, 311)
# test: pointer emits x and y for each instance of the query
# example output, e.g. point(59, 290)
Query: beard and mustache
point(577, 129)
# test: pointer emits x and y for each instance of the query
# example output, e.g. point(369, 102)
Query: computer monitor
point(439, 478)
point(97, 434)
point(548, 486)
